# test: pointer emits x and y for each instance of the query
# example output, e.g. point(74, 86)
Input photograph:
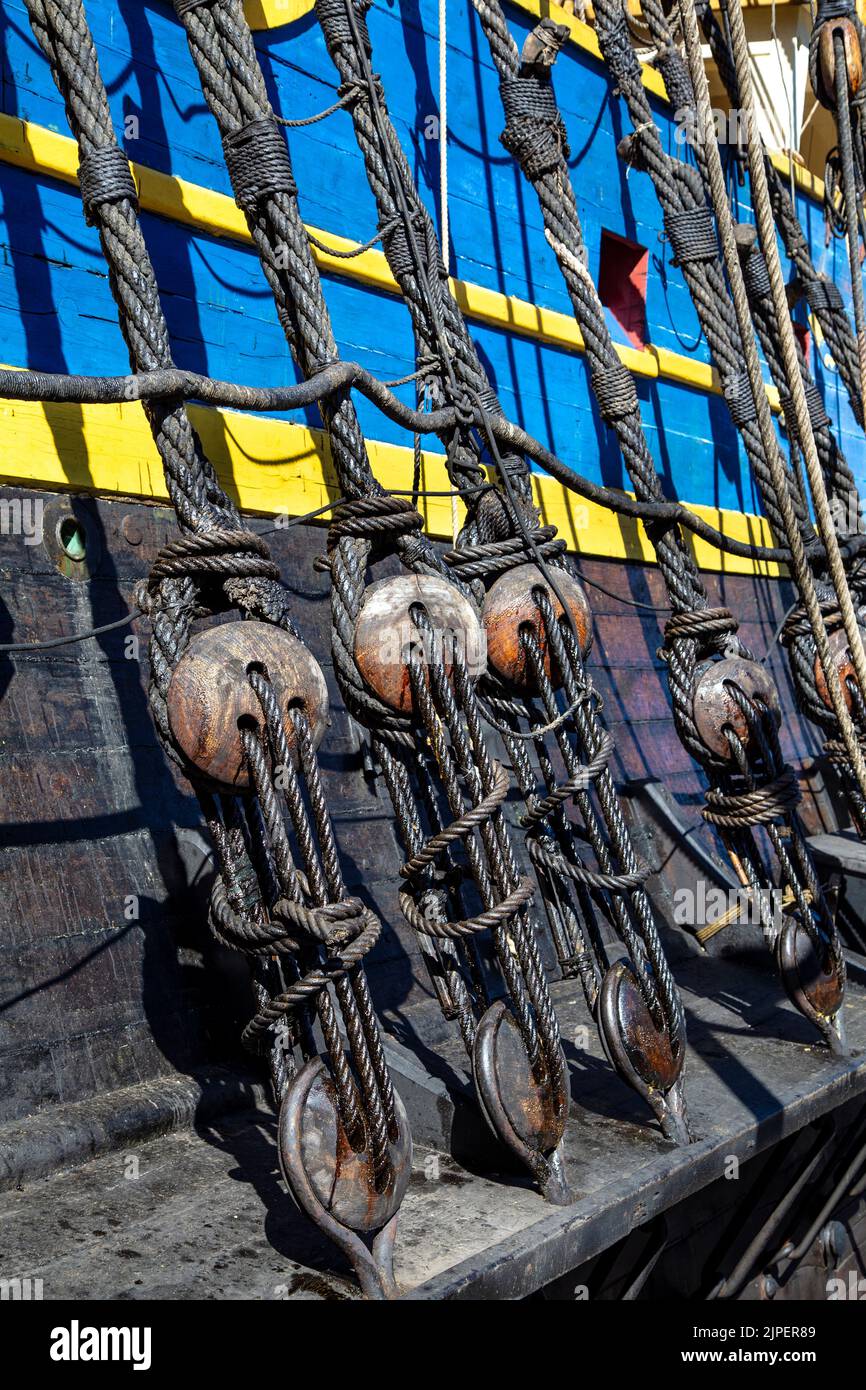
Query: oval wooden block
point(816, 991)
point(210, 693)
point(385, 632)
point(715, 708)
point(827, 54)
point(840, 651)
point(634, 1042)
point(510, 606)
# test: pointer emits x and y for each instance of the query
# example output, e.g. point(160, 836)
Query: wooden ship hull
point(129, 1110)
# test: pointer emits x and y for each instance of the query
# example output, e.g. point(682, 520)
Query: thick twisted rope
point(695, 629)
point(763, 211)
point(822, 295)
point(222, 48)
point(492, 541)
point(763, 307)
point(689, 228)
point(252, 842)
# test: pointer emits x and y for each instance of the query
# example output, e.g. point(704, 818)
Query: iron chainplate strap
point(284, 904)
point(446, 788)
point(797, 635)
point(501, 534)
point(696, 632)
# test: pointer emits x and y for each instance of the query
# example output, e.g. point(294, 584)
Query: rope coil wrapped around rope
point(615, 392)
point(104, 176)
point(534, 130)
point(771, 802)
point(692, 235)
point(258, 162)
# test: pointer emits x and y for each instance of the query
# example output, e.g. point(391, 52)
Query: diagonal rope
point(803, 575)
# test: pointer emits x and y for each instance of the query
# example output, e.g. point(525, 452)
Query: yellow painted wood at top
point(272, 467)
point(270, 14)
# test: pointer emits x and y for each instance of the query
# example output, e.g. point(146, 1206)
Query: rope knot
point(258, 161)
point(185, 7)
point(815, 404)
point(337, 26)
point(737, 391)
point(220, 555)
point(404, 251)
point(763, 805)
point(373, 518)
point(104, 176)
point(615, 391)
point(534, 130)
point(692, 235)
point(709, 628)
point(676, 79)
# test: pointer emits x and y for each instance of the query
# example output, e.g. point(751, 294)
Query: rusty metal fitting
point(210, 697)
point(715, 710)
point(840, 652)
point(511, 607)
point(814, 983)
point(386, 632)
point(642, 1052)
point(827, 55)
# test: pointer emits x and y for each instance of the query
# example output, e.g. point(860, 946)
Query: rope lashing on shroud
point(283, 901)
point(769, 793)
point(498, 540)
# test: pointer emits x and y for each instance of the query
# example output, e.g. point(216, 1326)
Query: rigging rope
point(443, 131)
point(284, 903)
point(690, 230)
point(852, 194)
point(840, 481)
point(805, 436)
point(446, 788)
point(695, 632)
point(498, 539)
point(333, 379)
point(822, 295)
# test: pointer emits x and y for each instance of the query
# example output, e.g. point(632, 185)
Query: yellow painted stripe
point(276, 467)
point(44, 151)
point(270, 14)
point(807, 182)
point(634, 7)
point(582, 36)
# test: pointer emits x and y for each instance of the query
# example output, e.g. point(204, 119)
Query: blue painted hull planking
point(120, 1014)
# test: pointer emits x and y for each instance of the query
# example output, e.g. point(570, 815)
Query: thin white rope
point(443, 128)
point(443, 184)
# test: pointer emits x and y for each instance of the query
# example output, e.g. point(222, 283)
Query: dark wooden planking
point(93, 813)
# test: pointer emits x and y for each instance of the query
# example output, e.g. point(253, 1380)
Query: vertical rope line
point(766, 230)
point(443, 131)
point(850, 199)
